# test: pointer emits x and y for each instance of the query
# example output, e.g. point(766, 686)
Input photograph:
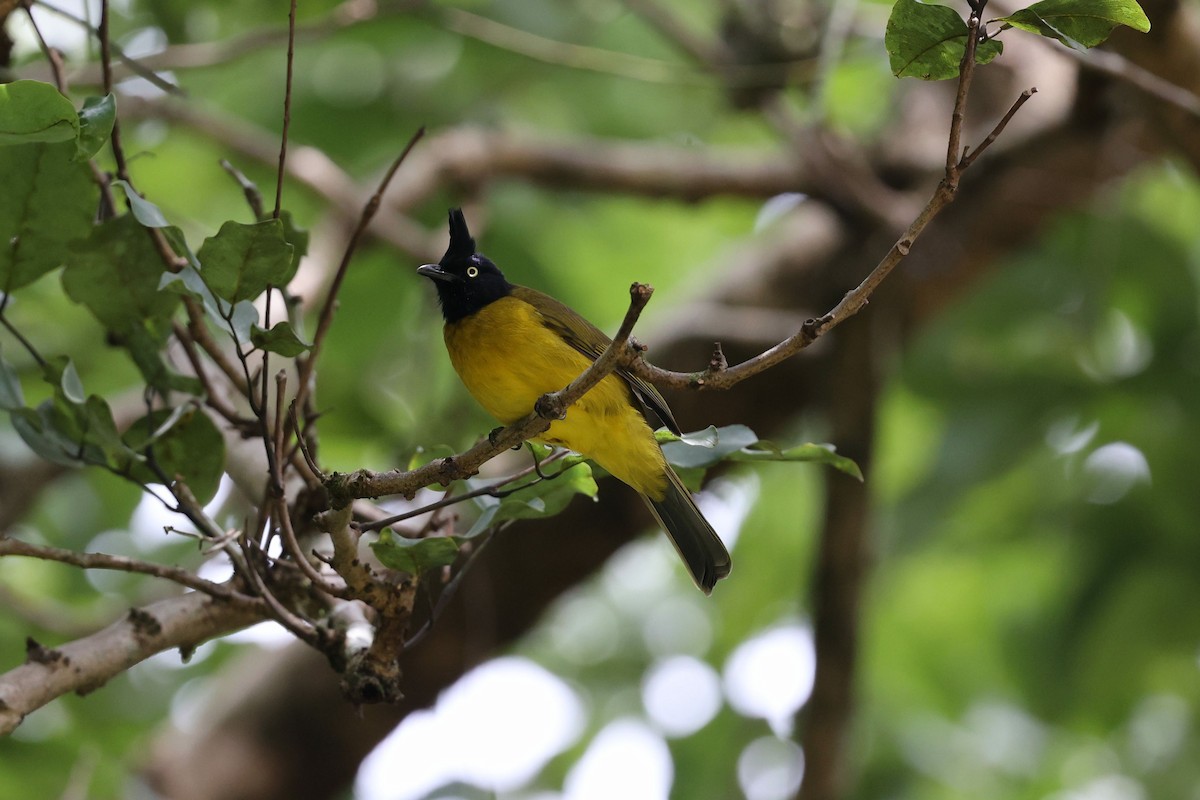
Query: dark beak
point(435, 272)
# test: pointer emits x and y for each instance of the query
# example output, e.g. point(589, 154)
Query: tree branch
point(87, 664)
point(16, 547)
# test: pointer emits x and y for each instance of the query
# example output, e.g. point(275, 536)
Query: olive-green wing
point(591, 342)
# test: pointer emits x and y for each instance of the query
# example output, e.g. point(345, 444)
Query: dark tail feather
point(697, 543)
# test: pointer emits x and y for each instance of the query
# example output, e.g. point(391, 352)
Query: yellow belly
point(507, 367)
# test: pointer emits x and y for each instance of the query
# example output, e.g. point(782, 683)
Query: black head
point(466, 281)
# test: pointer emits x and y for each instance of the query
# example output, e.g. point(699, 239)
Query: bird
point(511, 344)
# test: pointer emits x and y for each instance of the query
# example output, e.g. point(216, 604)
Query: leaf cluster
point(928, 41)
point(115, 268)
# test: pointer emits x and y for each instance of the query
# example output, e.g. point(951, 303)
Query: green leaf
point(72, 432)
point(143, 210)
point(296, 236)
point(709, 446)
point(102, 432)
point(115, 273)
point(545, 498)
point(414, 556)
point(184, 443)
point(1079, 24)
point(82, 428)
point(280, 339)
point(819, 453)
point(692, 453)
point(928, 41)
point(60, 373)
point(32, 111)
point(242, 260)
point(11, 396)
point(46, 202)
point(96, 120)
point(242, 319)
point(146, 351)
point(189, 283)
point(37, 431)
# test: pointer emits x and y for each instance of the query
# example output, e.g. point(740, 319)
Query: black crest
point(466, 280)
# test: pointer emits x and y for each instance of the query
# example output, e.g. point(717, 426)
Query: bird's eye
point(472, 272)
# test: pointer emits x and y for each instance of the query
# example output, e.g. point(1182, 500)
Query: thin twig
point(16, 547)
point(249, 189)
point(452, 587)
point(263, 369)
point(969, 158)
point(28, 345)
point(278, 437)
point(190, 507)
point(492, 490)
point(212, 397)
point(1113, 64)
point(287, 109)
point(106, 66)
point(201, 336)
point(302, 441)
point(292, 544)
point(301, 628)
point(135, 66)
point(52, 56)
point(966, 71)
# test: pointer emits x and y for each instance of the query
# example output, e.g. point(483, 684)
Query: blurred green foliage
point(1028, 627)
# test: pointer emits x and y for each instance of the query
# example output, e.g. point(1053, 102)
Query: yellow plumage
point(507, 358)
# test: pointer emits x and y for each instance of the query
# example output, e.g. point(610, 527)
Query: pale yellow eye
point(472, 272)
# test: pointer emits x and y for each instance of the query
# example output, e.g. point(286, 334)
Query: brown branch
point(363, 483)
point(212, 398)
point(88, 74)
point(278, 498)
point(969, 158)
point(292, 545)
point(307, 166)
point(287, 108)
point(249, 189)
point(493, 490)
point(708, 53)
point(302, 629)
point(87, 664)
point(473, 156)
point(52, 56)
point(1115, 65)
point(357, 575)
point(114, 139)
point(16, 547)
point(201, 336)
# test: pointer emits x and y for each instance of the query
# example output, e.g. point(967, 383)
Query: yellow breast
point(507, 359)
